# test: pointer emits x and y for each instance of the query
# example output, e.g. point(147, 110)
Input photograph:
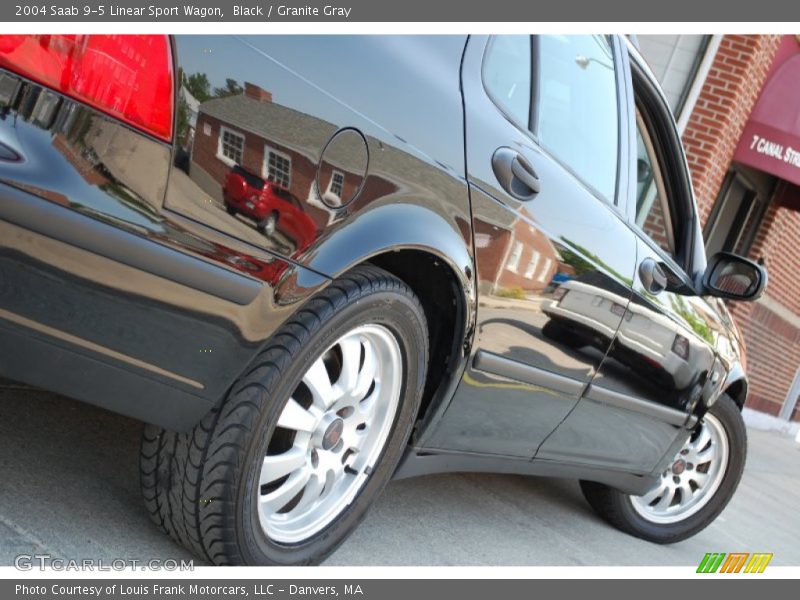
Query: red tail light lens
point(126, 76)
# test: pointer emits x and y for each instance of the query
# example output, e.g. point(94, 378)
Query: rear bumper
point(46, 362)
point(250, 209)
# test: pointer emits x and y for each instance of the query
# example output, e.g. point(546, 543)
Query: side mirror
point(734, 277)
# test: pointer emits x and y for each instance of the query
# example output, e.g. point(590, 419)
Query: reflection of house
point(523, 258)
point(272, 141)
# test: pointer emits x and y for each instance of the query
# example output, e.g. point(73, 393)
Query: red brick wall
point(778, 244)
point(728, 95)
point(495, 257)
point(204, 150)
point(773, 350)
point(655, 226)
point(731, 89)
point(533, 241)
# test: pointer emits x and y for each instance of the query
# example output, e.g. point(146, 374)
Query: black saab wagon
point(470, 254)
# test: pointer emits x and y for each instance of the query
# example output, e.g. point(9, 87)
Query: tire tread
point(188, 479)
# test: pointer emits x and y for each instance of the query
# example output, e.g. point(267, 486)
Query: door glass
point(652, 209)
point(577, 107)
point(507, 75)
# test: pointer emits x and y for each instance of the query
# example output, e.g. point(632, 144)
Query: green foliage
point(231, 89)
point(698, 325)
point(198, 86)
point(516, 293)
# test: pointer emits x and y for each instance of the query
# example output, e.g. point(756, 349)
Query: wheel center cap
point(679, 466)
point(332, 433)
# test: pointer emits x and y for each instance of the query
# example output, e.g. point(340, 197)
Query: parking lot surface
point(69, 488)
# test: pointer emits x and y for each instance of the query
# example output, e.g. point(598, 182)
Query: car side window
point(577, 110)
point(563, 89)
point(652, 207)
point(507, 75)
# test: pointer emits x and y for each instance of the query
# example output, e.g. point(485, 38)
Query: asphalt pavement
point(69, 488)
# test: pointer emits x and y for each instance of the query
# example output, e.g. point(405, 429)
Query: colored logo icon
point(734, 562)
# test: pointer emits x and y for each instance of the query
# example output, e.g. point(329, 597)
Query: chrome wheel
point(692, 479)
point(330, 434)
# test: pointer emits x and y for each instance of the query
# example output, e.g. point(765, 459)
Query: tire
point(638, 518)
point(268, 224)
point(558, 332)
point(230, 208)
point(203, 488)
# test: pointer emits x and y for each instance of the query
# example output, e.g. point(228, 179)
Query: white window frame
point(533, 264)
point(334, 173)
point(548, 264)
point(220, 155)
point(514, 257)
point(265, 165)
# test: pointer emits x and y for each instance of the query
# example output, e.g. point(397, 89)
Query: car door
point(662, 361)
point(554, 258)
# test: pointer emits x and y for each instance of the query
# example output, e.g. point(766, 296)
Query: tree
point(198, 86)
point(231, 89)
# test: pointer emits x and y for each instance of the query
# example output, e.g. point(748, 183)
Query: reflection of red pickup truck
point(270, 206)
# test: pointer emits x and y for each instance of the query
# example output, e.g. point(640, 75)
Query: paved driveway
point(69, 487)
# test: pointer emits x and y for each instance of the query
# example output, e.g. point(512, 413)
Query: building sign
point(771, 150)
point(771, 139)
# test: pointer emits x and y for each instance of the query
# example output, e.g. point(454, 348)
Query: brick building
point(737, 101)
point(246, 130)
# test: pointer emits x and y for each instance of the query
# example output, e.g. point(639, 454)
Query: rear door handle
point(515, 174)
point(652, 276)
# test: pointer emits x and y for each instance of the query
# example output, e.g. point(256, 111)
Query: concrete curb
point(766, 422)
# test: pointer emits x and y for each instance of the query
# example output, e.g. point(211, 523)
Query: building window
point(532, 264)
point(277, 168)
point(512, 264)
point(336, 186)
point(230, 148)
point(548, 264)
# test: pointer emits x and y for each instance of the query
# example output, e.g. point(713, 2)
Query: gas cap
point(342, 168)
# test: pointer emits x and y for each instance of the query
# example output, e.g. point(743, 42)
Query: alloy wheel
point(691, 480)
point(330, 434)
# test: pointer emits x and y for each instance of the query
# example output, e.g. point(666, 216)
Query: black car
point(496, 265)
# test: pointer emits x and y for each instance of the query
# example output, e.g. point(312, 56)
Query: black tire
point(559, 332)
point(200, 487)
point(268, 224)
point(231, 210)
point(617, 509)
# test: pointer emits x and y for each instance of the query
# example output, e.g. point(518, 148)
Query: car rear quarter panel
point(401, 94)
point(129, 278)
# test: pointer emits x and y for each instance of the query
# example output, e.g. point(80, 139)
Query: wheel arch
point(431, 252)
point(437, 287)
point(737, 390)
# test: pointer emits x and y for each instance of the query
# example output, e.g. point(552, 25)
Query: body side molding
point(512, 369)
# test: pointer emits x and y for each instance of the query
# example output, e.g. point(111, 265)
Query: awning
point(771, 138)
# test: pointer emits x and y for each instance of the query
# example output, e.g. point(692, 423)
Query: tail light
point(129, 77)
